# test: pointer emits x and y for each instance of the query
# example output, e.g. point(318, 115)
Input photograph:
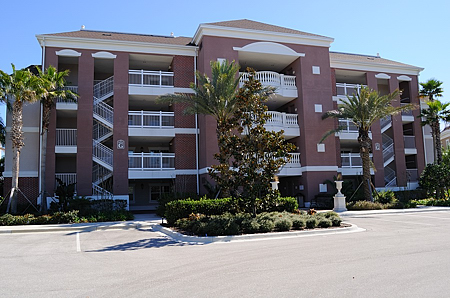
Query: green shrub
point(311, 222)
point(182, 208)
point(250, 226)
point(298, 222)
point(385, 197)
point(288, 204)
point(64, 217)
point(327, 214)
point(364, 205)
point(7, 220)
point(405, 196)
point(324, 223)
point(335, 220)
point(265, 225)
point(283, 224)
point(166, 198)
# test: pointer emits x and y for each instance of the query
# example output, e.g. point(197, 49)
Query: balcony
point(151, 165)
point(146, 82)
point(66, 178)
point(282, 121)
point(344, 89)
point(349, 130)
point(410, 145)
point(293, 167)
point(351, 164)
point(63, 104)
point(66, 140)
point(285, 85)
point(151, 123)
point(412, 175)
point(407, 116)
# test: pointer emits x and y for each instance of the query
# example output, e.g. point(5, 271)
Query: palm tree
point(20, 87)
point(431, 89)
point(54, 83)
point(363, 110)
point(432, 116)
point(215, 97)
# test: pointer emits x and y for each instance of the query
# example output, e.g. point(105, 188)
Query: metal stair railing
point(105, 112)
point(102, 152)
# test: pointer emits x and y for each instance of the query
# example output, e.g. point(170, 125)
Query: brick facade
point(184, 146)
point(182, 120)
point(183, 69)
point(28, 185)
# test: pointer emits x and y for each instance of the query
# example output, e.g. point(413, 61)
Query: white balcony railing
point(147, 119)
point(66, 178)
point(344, 89)
point(294, 161)
point(282, 119)
point(66, 137)
point(347, 126)
point(151, 161)
point(271, 78)
point(74, 89)
point(407, 113)
point(351, 160)
point(410, 142)
point(150, 78)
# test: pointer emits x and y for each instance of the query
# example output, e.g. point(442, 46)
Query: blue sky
point(413, 32)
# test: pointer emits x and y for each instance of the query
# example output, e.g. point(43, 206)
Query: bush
point(324, 223)
point(335, 221)
point(311, 222)
point(250, 226)
point(265, 225)
point(283, 224)
point(385, 197)
point(434, 179)
point(182, 208)
point(298, 223)
point(364, 205)
point(166, 198)
point(281, 204)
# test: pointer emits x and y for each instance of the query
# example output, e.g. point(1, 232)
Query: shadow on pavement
point(142, 244)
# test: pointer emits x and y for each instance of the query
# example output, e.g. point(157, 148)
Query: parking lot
point(399, 255)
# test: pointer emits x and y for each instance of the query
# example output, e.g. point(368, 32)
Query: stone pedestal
point(339, 199)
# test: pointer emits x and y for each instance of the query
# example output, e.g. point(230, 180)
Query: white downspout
point(196, 128)
point(40, 127)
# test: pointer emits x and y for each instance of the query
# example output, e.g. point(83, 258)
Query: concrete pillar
point(50, 164)
point(85, 123)
point(120, 136)
point(377, 143)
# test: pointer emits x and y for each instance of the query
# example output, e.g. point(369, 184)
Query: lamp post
point(275, 183)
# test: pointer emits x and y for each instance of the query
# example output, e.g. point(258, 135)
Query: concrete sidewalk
point(140, 221)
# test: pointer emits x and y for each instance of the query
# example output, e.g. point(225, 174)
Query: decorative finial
point(82, 27)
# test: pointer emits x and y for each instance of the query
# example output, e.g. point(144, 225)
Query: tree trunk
point(17, 144)
point(43, 208)
point(364, 151)
point(437, 142)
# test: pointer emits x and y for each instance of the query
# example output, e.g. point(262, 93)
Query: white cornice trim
point(204, 29)
point(68, 53)
point(104, 55)
point(404, 78)
point(22, 174)
point(375, 67)
point(382, 76)
point(115, 45)
point(269, 48)
point(319, 169)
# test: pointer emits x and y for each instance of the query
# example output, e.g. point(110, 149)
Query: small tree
point(363, 109)
point(435, 179)
point(256, 154)
point(432, 116)
point(54, 83)
point(20, 87)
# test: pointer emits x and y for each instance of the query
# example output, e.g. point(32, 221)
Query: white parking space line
point(78, 243)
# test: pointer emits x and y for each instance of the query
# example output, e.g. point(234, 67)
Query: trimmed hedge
point(178, 209)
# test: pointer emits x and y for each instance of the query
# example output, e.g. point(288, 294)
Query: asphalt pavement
point(399, 255)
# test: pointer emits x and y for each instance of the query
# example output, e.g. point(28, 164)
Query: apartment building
point(119, 142)
point(445, 138)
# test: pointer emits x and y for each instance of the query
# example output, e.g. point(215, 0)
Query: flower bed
point(244, 223)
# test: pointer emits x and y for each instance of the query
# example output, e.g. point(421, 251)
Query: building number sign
point(120, 144)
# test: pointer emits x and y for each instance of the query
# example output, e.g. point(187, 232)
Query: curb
point(252, 237)
point(75, 227)
point(393, 211)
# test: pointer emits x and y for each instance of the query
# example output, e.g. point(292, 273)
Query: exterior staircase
point(390, 177)
point(102, 155)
